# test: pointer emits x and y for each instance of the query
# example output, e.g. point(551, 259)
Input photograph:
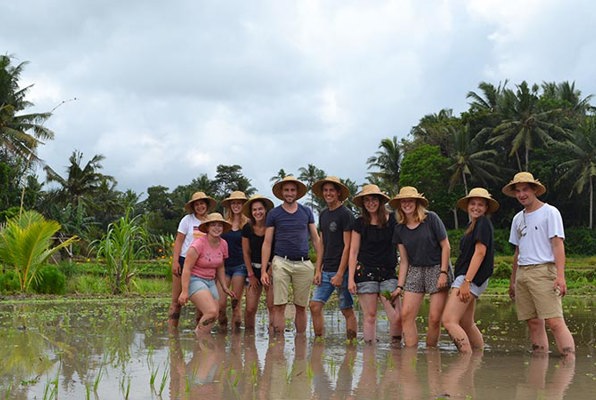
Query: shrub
point(9, 282)
point(50, 280)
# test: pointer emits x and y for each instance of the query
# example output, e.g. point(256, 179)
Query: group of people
point(393, 255)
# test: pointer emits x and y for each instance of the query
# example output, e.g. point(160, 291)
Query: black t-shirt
point(333, 224)
point(422, 243)
point(483, 232)
point(376, 246)
point(255, 242)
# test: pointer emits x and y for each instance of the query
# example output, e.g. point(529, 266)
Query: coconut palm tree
point(309, 175)
point(581, 169)
point(525, 124)
point(81, 181)
point(279, 176)
point(20, 133)
point(388, 162)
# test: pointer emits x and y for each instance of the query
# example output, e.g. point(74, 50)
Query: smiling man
point(538, 275)
point(289, 226)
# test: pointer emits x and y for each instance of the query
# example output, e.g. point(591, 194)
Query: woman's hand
point(464, 292)
point(442, 281)
point(183, 298)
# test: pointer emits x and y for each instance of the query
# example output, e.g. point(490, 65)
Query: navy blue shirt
point(291, 231)
point(234, 240)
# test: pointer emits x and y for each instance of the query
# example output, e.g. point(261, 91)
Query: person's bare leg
point(237, 286)
point(563, 337)
point(538, 338)
point(351, 323)
point(300, 319)
point(437, 304)
point(368, 305)
point(409, 310)
point(316, 316)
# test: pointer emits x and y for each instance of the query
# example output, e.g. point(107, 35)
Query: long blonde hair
point(419, 214)
point(229, 216)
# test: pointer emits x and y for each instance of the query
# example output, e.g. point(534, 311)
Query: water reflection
point(115, 349)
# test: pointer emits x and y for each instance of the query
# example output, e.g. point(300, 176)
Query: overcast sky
point(167, 91)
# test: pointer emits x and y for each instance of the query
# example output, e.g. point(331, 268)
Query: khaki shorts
point(298, 273)
point(535, 295)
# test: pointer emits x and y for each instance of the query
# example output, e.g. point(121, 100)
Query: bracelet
point(251, 275)
point(400, 287)
point(443, 272)
point(467, 280)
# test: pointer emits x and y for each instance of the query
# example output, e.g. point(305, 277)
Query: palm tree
point(471, 159)
point(309, 176)
point(525, 124)
point(388, 162)
point(581, 169)
point(490, 98)
point(279, 176)
point(81, 181)
point(20, 134)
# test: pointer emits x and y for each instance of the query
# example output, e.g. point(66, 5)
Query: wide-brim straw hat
point(523, 177)
point(235, 195)
point(493, 205)
point(408, 192)
point(246, 207)
point(214, 217)
point(200, 196)
point(277, 188)
point(317, 188)
point(370, 190)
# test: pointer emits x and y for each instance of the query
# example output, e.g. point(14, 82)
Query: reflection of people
point(253, 235)
point(281, 380)
point(373, 261)
point(198, 378)
point(289, 227)
point(457, 382)
point(538, 276)
point(473, 267)
point(537, 386)
point(335, 223)
point(424, 251)
point(188, 230)
point(234, 264)
point(203, 264)
point(323, 384)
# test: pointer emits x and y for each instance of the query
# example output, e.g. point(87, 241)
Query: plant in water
point(26, 245)
point(122, 245)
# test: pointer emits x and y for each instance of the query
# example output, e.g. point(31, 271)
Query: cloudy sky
point(167, 91)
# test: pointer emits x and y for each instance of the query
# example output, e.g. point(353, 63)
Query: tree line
point(548, 129)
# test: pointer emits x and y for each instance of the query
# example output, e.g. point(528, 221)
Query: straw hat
point(246, 207)
point(368, 190)
point(523, 177)
point(236, 195)
point(277, 188)
point(214, 217)
point(317, 188)
point(200, 196)
point(493, 205)
point(408, 192)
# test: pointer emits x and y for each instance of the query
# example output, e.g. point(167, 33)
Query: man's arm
point(514, 267)
point(337, 280)
point(559, 252)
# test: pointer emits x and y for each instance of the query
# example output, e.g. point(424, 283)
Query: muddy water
point(115, 349)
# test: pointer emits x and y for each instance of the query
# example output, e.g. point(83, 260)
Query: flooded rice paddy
point(117, 349)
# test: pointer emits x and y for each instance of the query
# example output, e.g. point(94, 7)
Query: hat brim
point(394, 203)
point(493, 205)
point(226, 202)
point(509, 189)
point(359, 199)
point(210, 206)
point(317, 189)
point(205, 225)
point(246, 207)
point(277, 189)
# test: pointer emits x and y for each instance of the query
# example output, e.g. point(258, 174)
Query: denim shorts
point(474, 289)
point(197, 283)
point(238, 270)
point(326, 289)
point(371, 287)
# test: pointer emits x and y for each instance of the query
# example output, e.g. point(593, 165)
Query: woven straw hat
point(368, 190)
point(523, 177)
point(236, 195)
point(277, 188)
point(214, 217)
point(246, 207)
point(317, 188)
point(493, 205)
point(408, 192)
point(200, 196)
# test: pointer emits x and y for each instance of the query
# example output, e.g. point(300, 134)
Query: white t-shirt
point(532, 231)
point(189, 226)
